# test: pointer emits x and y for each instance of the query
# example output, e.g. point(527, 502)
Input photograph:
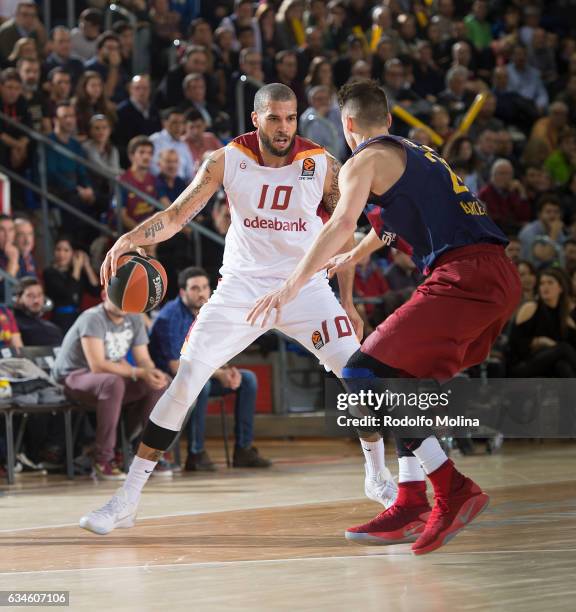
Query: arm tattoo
point(156, 226)
point(204, 175)
point(331, 198)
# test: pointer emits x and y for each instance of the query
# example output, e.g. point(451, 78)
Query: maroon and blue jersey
point(429, 207)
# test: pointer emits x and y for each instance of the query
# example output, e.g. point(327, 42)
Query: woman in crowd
point(91, 100)
point(528, 280)
point(543, 337)
point(461, 153)
point(66, 280)
point(24, 48)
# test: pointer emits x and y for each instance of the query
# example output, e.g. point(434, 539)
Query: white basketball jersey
point(274, 211)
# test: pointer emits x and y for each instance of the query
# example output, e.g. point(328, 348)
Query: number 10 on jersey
point(280, 199)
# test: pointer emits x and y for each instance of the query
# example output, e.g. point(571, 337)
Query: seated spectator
point(213, 252)
point(134, 209)
point(567, 195)
point(194, 87)
point(166, 24)
point(525, 80)
point(35, 97)
point(166, 338)
point(440, 122)
point(547, 130)
point(29, 308)
point(428, 79)
point(25, 48)
point(171, 138)
point(61, 55)
point(199, 141)
point(136, 116)
point(90, 100)
point(536, 182)
point(505, 197)
point(545, 253)
point(9, 253)
point(528, 281)
point(478, 28)
point(102, 152)
point(399, 91)
point(514, 249)
point(569, 255)
point(286, 66)
point(456, 97)
point(289, 24)
point(9, 333)
point(93, 367)
point(561, 163)
point(66, 281)
point(543, 337)
point(108, 64)
point(13, 143)
point(549, 223)
point(24, 24)
point(125, 33)
point(251, 66)
point(60, 89)
point(24, 240)
point(266, 17)
point(175, 254)
point(84, 37)
point(67, 178)
point(315, 124)
point(486, 119)
point(542, 57)
point(460, 153)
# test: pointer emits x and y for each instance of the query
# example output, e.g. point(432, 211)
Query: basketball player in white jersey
point(279, 186)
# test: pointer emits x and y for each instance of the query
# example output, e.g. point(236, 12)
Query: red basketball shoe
point(452, 511)
point(401, 523)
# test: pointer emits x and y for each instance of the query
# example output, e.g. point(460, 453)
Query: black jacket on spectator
point(74, 66)
point(36, 331)
point(131, 122)
point(170, 92)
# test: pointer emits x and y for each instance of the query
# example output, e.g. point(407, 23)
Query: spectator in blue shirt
point(108, 64)
point(67, 178)
point(525, 80)
point(166, 338)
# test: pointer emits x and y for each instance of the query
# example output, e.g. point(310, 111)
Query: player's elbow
point(345, 224)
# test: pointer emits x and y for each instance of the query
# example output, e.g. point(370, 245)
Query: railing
point(46, 197)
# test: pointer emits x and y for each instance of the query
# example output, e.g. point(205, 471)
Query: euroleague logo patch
point(317, 341)
point(308, 168)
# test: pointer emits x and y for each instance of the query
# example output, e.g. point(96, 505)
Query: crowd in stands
point(204, 62)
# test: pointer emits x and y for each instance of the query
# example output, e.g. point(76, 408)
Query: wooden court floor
point(273, 540)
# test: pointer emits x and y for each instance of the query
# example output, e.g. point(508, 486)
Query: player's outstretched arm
point(348, 259)
point(164, 224)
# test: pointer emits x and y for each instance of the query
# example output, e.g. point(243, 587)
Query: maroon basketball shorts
point(453, 318)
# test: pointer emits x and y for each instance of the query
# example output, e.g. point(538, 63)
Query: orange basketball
point(139, 285)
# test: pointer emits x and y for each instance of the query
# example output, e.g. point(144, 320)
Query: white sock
point(138, 475)
point(374, 455)
point(430, 454)
point(410, 470)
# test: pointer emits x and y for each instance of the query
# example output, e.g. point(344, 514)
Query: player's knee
point(362, 365)
point(249, 380)
point(158, 438)
point(112, 385)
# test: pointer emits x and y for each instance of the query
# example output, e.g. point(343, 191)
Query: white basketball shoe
point(118, 512)
point(381, 488)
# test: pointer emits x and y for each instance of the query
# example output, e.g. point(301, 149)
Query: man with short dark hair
point(166, 337)
point(60, 87)
point(84, 37)
point(170, 137)
point(29, 71)
point(29, 303)
point(549, 223)
point(199, 141)
point(108, 64)
point(67, 178)
point(9, 253)
point(24, 241)
point(62, 57)
point(134, 208)
point(286, 65)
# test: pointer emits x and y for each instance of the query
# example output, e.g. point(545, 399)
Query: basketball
point(139, 285)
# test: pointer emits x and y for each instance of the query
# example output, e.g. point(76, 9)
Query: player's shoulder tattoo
point(332, 191)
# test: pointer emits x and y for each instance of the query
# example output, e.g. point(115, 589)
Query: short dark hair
point(137, 142)
point(282, 55)
point(274, 92)
point(92, 16)
point(194, 115)
point(55, 71)
point(105, 37)
point(547, 198)
point(191, 272)
point(9, 74)
point(24, 283)
point(366, 101)
point(173, 110)
point(121, 26)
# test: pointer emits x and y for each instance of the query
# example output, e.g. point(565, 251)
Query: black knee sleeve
point(158, 437)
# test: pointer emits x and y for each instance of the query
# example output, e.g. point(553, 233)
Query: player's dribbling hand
point(109, 266)
point(267, 303)
point(339, 263)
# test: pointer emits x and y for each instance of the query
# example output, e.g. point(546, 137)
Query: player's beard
point(269, 146)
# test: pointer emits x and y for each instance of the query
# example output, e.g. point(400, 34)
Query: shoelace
point(111, 507)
